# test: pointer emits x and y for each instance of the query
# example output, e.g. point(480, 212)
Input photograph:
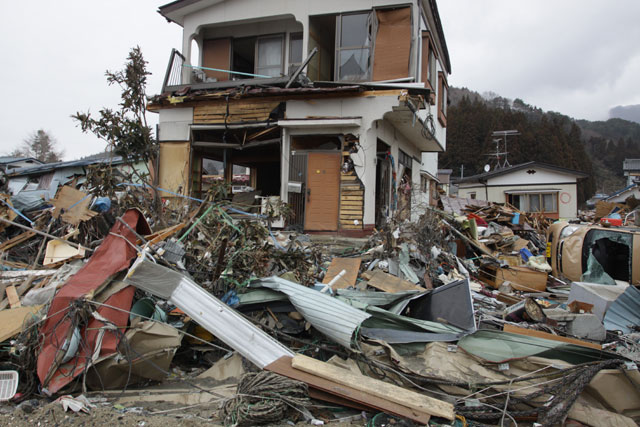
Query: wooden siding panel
point(393, 44)
point(244, 110)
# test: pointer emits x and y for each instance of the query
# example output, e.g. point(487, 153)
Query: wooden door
point(322, 192)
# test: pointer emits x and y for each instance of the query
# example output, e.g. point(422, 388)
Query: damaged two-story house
point(330, 105)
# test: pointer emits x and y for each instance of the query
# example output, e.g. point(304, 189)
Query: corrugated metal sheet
point(624, 312)
point(332, 317)
point(499, 346)
point(372, 297)
point(208, 311)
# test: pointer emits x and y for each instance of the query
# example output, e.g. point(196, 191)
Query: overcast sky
point(578, 57)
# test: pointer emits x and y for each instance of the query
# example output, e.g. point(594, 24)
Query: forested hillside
point(597, 148)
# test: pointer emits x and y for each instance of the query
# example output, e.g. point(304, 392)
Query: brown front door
point(322, 192)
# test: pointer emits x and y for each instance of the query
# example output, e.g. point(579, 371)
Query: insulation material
point(173, 170)
point(393, 44)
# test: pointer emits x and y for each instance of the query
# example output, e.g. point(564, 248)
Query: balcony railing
point(173, 76)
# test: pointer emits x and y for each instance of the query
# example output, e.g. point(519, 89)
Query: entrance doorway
point(323, 192)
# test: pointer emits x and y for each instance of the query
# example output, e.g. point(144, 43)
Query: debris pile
point(115, 300)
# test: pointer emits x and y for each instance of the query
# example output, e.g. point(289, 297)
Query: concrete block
point(587, 326)
point(601, 296)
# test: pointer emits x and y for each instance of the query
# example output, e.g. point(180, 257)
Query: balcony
point(180, 75)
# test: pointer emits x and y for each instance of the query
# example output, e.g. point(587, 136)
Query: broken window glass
point(612, 250)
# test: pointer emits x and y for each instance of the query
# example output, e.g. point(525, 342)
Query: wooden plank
point(522, 279)
point(357, 212)
point(381, 389)
point(354, 198)
point(388, 282)
point(539, 334)
point(12, 296)
point(350, 187)
point(283, 367)
point(16, 240)
point(12, 320)
point(352, 265)
point(72, 205)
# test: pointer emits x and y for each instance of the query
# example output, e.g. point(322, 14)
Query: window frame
point(443, 94)
point(526, 198)
point(404, 159)
point(429, 65)
point(256, 65)
point(298, 35)
point(339, 48)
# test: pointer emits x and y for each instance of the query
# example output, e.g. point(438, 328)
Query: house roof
point(631, 164)
point(47, 167)
point(621, 191)
point(440, 31)
point(10, 159)
point(498, 172)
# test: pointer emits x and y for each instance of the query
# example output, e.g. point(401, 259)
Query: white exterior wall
point(174, 124)
point(620, 198)
point(497, 195)
point(542, 176)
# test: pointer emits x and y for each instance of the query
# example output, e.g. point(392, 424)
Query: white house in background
point(343, 141)
point(530, 187)
point(444, 177)
point(622, 195)
point(631, 168)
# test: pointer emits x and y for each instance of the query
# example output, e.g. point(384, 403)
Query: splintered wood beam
point(390, 392)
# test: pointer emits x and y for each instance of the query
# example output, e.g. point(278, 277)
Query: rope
point(264, 397)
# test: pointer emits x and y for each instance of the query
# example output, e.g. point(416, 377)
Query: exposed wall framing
point(351, 191)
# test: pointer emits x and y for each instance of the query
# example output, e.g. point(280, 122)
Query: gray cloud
point(54, 58)
point(576, 57)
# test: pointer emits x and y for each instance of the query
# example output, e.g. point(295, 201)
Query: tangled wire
point(264, 397)
point(563, 394)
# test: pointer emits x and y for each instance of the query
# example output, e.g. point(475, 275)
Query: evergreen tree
point(39, 145)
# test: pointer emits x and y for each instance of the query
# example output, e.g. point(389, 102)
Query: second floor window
point(269, 56)
point(295, 51)
point(353, 53)
point(443, 92)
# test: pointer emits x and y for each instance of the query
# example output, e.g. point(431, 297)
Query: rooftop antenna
point(501, 154)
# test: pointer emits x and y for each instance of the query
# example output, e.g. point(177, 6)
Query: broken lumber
point(351, 265)
point(387, 391)
point(540, 334)
point(388, 282)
